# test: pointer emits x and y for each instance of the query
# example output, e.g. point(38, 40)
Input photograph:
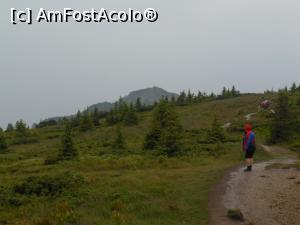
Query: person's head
point(247, 127)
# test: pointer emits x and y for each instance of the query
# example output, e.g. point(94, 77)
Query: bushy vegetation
point(68, 149)
point(139, 185)
point(3, 141)
point(86, 122)
point(166, 131)
point(216, 133)
point(119, 142)
point(282, 121)
point(10, 128)
point(124, 113)
point(47, 185)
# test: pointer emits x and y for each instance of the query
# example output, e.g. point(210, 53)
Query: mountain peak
point(148, 96)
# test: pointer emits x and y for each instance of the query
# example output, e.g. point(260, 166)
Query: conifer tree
point(122, 111)
point(189, 97)
point(181, 100)
point(10, 128)
point(3, 142)
point(68, 150)
point(130, 117)
point(212, 95)
point(86, 122)
point(138, 105)
point(216, 134)
point(120, 105)
point(76, 120)
point(96, 117)
point(224, 92)
point(166, 132)
point(119, 142)
point(199, 96)
point(282, 122)
point(293, 88)
point(234, 92)
point(112, 117)
point(21, 132)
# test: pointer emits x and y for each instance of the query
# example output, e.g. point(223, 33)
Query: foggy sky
point(55, 69)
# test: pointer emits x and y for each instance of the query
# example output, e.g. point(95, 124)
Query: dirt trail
point(264, 196)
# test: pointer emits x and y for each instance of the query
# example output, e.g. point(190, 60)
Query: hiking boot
point(248, 169)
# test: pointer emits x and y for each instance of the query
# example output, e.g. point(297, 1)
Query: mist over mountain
point(148, 96)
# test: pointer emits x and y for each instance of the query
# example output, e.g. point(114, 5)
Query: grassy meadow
point(105, 186)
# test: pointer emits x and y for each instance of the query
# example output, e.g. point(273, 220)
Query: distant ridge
point(148, 96)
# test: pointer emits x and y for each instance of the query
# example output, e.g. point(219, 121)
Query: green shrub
point(166, 131)
point(86, 122)
point(282, 122)
point(22, 134)
point(216, 133)
point(3, 142)
point(119, 142)
point(47, 185)
point(68, 150)
point(51, 160)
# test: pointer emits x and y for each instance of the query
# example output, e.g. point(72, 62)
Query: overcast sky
point(54, 69)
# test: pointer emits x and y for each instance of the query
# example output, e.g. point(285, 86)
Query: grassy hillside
point(132, 186)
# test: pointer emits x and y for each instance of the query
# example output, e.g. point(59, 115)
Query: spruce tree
point(181, 100)
point(112, 117)
point(21, 132)
point(96, 117)
point(293, 88)
point(3, 142)
point(123, 110)
point(68, 150)
point(21, 128)
point(119, 142)
point(10, 128)
point(166, 132)
point(86, 122)
point(199, 96)
point(76, 119)
point(216, 134)
point(282, 122)
point(138, 105)
point(212, 95)
point(234, 92)
point(189, 97)
point(130, 117)
point(121, 104)
point(224, 92)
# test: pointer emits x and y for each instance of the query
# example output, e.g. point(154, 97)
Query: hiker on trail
point(249, 146)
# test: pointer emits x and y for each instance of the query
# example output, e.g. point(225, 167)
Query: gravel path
point(264, 196)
